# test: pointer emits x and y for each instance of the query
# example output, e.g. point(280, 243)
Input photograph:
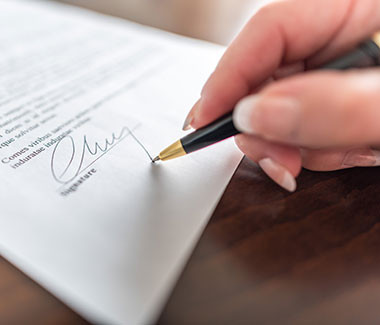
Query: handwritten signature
point(66, 169)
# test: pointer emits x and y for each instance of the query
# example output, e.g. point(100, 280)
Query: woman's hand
point(319, 120)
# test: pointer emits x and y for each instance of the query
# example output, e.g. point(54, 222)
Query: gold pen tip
point(156, 159)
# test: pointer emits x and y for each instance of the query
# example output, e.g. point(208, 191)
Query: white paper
point(106, 232)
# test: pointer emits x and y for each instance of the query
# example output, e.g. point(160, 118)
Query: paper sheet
point(84, 100)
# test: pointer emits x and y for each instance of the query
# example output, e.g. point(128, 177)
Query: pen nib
point(156, 159)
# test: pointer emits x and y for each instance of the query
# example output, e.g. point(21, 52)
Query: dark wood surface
point(270, 257)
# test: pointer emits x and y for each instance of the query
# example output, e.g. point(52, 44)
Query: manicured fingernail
point(187, 124)
point(270, 116)
point(362, 158)
point(279, 174)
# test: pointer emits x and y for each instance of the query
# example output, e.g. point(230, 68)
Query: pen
point(367, 54)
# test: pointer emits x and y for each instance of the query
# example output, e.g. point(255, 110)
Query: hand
point(319, 120)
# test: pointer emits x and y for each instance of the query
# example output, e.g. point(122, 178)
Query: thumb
point(316, 109)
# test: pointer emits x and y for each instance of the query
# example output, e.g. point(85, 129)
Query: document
point(85, 101)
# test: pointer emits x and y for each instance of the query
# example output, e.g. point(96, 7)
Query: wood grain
point(271, 257)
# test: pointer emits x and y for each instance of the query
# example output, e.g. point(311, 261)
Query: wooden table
point(270, 257)
point(266, 256)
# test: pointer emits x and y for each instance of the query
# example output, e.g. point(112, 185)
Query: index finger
point(281, 33)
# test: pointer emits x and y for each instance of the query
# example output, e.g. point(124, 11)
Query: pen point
point(156, 159)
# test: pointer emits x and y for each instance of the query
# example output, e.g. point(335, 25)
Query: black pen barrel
point(364, 56)
point(215, 132)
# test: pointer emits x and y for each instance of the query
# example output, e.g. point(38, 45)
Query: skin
point(338, 113)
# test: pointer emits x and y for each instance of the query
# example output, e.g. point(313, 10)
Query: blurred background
point(212, 20)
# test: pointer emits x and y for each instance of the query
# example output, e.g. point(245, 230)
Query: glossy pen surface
point(217, 131)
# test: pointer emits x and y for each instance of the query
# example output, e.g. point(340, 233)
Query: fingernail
point(362, 158)
point(187, 124)
point(279, 174)
point(190, 117)
point(274, 117)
